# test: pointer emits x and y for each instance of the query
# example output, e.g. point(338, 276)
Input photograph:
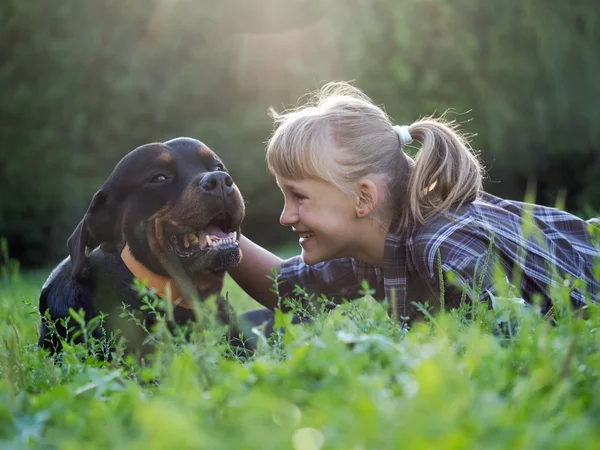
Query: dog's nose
point(216, 183)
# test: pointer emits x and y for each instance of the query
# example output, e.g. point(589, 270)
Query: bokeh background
point(83, 82)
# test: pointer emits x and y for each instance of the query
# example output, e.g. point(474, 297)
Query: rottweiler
point(170, 214)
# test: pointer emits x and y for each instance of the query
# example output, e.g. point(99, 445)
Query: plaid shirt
point(536, 247)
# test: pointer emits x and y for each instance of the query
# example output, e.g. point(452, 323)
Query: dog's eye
point(158, 178)
point(219, 168)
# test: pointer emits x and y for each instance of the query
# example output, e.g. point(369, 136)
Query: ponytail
point(340, 136)
point(446, 173)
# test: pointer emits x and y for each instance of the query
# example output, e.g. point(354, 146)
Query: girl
point(364, 210)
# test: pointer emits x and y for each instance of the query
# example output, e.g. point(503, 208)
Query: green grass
point(352, 380)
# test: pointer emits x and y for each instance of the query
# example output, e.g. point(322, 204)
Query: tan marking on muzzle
point(209, 283)
point(155, 238)
point(205, 284)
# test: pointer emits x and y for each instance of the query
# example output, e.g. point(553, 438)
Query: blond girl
point(363, 209)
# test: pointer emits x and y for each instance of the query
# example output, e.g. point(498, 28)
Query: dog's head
point(174, 204)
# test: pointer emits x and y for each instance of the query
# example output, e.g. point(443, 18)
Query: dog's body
point(172, 209)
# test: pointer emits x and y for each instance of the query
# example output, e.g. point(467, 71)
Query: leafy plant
point(347, 377)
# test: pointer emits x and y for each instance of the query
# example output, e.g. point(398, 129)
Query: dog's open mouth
point(216, 236)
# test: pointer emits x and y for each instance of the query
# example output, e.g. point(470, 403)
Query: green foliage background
point(84, 82)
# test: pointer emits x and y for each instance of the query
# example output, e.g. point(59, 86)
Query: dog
point(169, 213)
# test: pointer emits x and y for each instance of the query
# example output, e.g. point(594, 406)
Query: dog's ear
point(98, 226)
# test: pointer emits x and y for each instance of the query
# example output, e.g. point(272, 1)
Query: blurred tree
point(82, 83)
point(526, 72)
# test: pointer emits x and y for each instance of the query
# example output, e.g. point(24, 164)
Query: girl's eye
point(158, 179)
point(299, 196)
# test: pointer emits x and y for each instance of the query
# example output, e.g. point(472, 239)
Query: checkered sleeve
point(336, 278)
point(496, 247)
point(467, 266)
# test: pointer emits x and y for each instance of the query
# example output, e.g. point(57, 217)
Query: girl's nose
point(289, 215)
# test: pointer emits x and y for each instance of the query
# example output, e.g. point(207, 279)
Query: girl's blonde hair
point(341, 137)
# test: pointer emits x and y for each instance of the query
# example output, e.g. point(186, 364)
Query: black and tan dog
point(169, 213)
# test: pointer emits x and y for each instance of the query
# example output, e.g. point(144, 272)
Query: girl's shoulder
point(464, 229)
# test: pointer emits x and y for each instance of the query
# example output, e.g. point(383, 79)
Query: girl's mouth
point(305, 236)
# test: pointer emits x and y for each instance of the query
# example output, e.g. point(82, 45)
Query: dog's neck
point(159, 283)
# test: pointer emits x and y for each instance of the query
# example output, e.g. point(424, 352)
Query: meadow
point(83, 83)
point(352, 379)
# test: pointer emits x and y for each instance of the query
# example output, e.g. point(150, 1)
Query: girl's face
point(323, 217)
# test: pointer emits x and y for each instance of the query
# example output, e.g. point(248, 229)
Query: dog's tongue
point(213, 230)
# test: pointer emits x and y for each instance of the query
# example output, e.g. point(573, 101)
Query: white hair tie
point(403, 133)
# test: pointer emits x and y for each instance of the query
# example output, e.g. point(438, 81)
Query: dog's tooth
point(193, 238)
point(209, 240)
point(186, 242)
point(234, 235)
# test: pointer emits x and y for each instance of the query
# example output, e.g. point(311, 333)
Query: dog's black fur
point(155, 194)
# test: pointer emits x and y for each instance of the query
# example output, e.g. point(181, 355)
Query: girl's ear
point(367, 198)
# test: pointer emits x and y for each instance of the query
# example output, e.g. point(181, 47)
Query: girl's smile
point(319, 213)
point(304, 236)
point(327, 222)
point(346, 178)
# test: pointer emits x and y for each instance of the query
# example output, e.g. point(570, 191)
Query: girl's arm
point(253, 274)
point(336, 279)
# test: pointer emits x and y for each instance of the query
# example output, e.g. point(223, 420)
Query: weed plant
point(349, 378)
